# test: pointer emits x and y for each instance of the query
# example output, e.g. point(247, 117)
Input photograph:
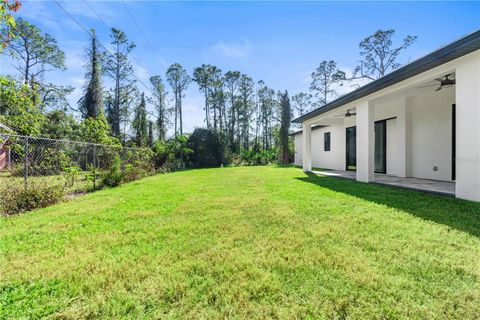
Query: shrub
point(113, 176)
point(167, 154)
point(70, 173)
point(162, 153)
point(138, 164)
point(252, 157)
point(17, 199)
point(45, 161)
point(207, 148)
point(91, 176)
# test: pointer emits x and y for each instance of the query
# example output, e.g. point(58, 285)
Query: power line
point(98, 42)
point(95, 13)
point(105, 48)
point(141, 31)
point(108, 27)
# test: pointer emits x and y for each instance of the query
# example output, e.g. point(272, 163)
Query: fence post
point(25, 164)
point(94, 166)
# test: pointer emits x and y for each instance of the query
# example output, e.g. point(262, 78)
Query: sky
point(280, 43)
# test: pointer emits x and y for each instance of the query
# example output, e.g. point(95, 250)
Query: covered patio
point(446, 188)
point(415, 128)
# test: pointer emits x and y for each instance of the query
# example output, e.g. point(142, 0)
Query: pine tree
point(140, 123)
point(286, 114)
point(178, 79)
point(118, 67)
point(324, 79)
point(232, 79)
point(266, 107)
point(91, 104)
point(203, 77)
point(150, 134)
point(160, 102)
point(245, 110)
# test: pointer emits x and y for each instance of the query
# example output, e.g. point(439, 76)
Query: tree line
point(243, 114)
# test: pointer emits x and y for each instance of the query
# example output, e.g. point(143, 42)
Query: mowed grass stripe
point(244, 243)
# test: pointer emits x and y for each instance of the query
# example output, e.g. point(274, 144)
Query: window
point(326, 141)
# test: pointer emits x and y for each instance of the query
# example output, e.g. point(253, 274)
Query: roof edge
point(432, 60)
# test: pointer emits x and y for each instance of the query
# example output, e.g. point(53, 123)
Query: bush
point(138, 164)
point(207, 148)
point(255, 158)
point(162, 153)
point(70, 173)
point(113, 176)
point(17, 199)
point(167, 154)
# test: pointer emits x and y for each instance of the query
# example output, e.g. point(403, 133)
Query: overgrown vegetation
point(18, 199)
point(244, 243)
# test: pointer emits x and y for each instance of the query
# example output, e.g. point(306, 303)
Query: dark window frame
point(327, 146)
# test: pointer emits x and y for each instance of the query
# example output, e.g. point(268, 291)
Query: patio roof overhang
point(452, 51)
point(294, 133)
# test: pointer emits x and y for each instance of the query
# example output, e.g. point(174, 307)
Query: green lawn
point(244, 243)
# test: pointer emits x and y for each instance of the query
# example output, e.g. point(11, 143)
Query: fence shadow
point(458, 214)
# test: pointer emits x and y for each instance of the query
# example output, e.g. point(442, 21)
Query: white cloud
point(230, 50)
point(141, 73)
point(39, 11)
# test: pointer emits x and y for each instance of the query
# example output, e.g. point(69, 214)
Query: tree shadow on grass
point(458, 214)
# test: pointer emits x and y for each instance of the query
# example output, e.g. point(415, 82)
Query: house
point(421, 121)
point(5, 154)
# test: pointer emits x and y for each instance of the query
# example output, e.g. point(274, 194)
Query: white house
point(419, 121)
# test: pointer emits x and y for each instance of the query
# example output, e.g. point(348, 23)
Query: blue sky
point(278, 42)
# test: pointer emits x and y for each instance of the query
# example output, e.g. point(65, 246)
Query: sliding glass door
point(351, 134)
point(381, 146)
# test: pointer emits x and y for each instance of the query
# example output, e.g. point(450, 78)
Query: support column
point(307, 147)
point(401, 143)
point(467, 95)
point(365, 142)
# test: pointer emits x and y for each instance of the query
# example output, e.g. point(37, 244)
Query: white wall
point(429, 141)
point(428, 137)
point(333, 159)
point(468, 127)
point(298, 150)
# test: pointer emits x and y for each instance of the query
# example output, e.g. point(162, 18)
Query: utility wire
point(95, 13)
point(105, 48)
point(109, 28)
point(141, 31)
point(98, 42)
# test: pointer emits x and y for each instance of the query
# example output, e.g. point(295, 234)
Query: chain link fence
point(74, 167)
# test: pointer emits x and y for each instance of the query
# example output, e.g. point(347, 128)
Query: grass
point(79, 184)
point(244, 243)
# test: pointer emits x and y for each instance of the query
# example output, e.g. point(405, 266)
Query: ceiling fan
point(349, 114)
point(345, 115)
point(444, 83)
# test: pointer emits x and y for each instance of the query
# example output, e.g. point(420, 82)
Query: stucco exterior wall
point(467, 184)
point(298, 149)
point(428, 137)
point(429, 142)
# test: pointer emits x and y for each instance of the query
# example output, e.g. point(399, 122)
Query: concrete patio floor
point(423, 185)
